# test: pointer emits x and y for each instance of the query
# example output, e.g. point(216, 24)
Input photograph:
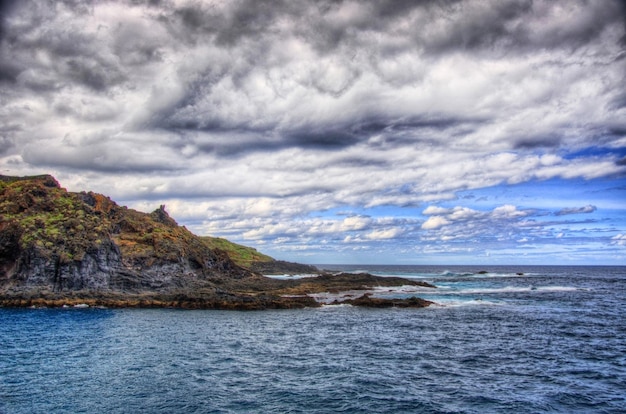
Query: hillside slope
point(54, 243)
point(59, 247)
point(250, 258)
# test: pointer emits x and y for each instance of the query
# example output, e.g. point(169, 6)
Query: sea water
point(515, 339)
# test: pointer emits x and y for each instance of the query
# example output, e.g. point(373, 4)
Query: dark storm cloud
point(619, 101)
point(9, 130)
point(227, 24)
point(6, 143)
point(476, 27)
point(322, 139)
point(503, 26)
point(469, 25)
point(93, 74)
point(251, 138)
point(6, 7)
point(72, 56)
point(538, 142)
point(189, 115)
point(372, 125)
point(8, 72)
point(472, 26)
point(99, 158)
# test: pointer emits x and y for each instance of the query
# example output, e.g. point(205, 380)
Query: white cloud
point(254, 121)
point(384, 234)
point(619, 240)
point(435, 222)
point(355, 223)
point(434, 210)
point(508, 211)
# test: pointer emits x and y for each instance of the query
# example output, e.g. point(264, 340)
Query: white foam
point(447, 290)
point(287, 276)
point(403, 289)
point(560, 289)
point(461, 303)
point(328, 298)
point(340, 305)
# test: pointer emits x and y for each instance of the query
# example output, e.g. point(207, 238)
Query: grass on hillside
point(241, 255)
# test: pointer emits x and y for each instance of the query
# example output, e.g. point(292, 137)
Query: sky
point(360, 132)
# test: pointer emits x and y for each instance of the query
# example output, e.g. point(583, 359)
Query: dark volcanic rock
point(279, 267)
point(61, 248)
point(55, 241)
point(334, 283)
point(370, 302)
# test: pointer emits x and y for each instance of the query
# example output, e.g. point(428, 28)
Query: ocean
point(515, 339)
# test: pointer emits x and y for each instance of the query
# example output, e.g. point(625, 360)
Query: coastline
point(264, 293)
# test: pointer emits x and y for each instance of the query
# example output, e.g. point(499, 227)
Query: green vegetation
point(64, 225)
point(48, 218)
point(242, 255)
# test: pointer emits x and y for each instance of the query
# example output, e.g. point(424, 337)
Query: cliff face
point(57, 241)
point(59, 248)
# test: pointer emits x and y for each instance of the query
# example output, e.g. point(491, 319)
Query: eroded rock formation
point(63, 248)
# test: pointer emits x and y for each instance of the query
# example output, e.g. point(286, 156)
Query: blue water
point(551, 340)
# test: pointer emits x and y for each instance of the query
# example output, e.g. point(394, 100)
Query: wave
point(450, 290)
point(338, 305)
point(514, 289)
point(289, 276)
point(450, 273)
point(483, 274)
point(402, 289)
point(456, 303)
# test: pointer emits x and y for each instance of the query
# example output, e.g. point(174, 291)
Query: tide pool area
point(550, 339)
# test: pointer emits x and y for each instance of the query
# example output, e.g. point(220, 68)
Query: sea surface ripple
point(519, 347)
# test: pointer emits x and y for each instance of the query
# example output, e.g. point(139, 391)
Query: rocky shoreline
point(237, 303)
point(266, 293)
point(59, 248)
point(182, 301)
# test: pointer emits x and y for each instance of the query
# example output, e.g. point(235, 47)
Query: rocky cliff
point(59, 247)
point(60, 241)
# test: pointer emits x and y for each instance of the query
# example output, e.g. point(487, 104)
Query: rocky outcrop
point(368, 301)
point(280, 267)
point(339, 282)
point(36, 268)
point(62, 248)
point(52, 240)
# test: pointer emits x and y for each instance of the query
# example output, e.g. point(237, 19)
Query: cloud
point(385, 234)
point(576, 210)
point(435, 222)
point(461, 224)
point(508, 211)
point(279, 110)
point(619, 240)
point(434, 210)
